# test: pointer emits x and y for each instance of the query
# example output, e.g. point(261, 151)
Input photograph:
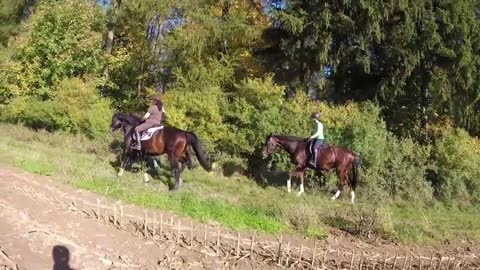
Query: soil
point(48, 225)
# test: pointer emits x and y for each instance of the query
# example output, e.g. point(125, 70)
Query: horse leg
point(343, 175)
point(182, 168)
point(184, 162)
point(289, 181)
point(123, 161)
point(302, 177)
point(142, 158)
point(176, 169)
point(154, 162)
point(188, 159)
point(353, 185)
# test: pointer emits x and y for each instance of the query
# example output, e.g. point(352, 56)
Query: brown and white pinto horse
point(338, 158)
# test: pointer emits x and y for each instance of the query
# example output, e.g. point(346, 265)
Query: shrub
point(456, 170)
point(61, 40)
point(199, 112)
point(405, 170)
point(76, 108)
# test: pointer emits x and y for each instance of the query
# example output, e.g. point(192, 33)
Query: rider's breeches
point(144, 126)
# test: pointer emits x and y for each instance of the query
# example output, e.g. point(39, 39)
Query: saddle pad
point(146, 135)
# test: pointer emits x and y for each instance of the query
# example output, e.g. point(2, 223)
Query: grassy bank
point(236, 202)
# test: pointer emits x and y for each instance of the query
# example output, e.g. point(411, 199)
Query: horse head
point(120, 120)
point(270, 146)
point(117, 122)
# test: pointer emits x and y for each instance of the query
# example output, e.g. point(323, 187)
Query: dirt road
point(40, 230)
point(38, 233)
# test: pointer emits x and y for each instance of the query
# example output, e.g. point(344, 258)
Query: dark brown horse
point(168, 140)
point(329, 158)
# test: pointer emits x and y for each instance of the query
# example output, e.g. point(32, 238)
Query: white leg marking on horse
point(289, 185)
point(145, 178)
point(180, 180)
point(353, 196)
point(301, 190)
point(120, 172)
point(336, 195)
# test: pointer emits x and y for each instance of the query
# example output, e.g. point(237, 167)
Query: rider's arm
point(146, 116)
point(163, 114)
point(319, 130)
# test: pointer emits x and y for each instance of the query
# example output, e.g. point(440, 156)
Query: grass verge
point(236, 202)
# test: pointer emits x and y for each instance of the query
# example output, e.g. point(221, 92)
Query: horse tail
point(197, 147)
point(357, 162)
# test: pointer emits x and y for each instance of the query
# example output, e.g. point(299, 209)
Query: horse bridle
point(267, 152)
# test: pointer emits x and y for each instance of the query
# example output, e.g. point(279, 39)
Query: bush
point(61, 40)
point(36, 114)
point(199, 112)
point(456, 170)
point(405, 171)
point(77, 108)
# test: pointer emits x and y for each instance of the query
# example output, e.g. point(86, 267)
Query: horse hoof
point(120, 172)
point(176, 187)
point(333, 198)
point(299, 194)
point(289, 190)
point(146, 179)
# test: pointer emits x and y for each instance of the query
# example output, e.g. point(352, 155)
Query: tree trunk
point(109, 41)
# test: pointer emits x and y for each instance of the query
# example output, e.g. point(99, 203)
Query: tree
point(61, 41)
point(12, 12)
point(416, 59)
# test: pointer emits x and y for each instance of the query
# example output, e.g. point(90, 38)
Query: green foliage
point(384, 51)
point(456, 176)
point(249, 127)
point(76, 108)
point(132, 63)
point(199, 112)
point(47, 76)
point(405, 171)
point(36, 166)
point(11, 13)
point(62, 40)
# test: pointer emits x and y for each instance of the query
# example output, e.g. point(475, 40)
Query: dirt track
point(35, 229)
point(39, 231)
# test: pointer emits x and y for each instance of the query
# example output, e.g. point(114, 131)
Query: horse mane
point(130, 119)
point(288, 138)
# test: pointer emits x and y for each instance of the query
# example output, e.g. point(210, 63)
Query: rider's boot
point(138, 144)
point(313, 160)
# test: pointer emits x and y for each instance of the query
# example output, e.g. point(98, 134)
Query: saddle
point(146, 135)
